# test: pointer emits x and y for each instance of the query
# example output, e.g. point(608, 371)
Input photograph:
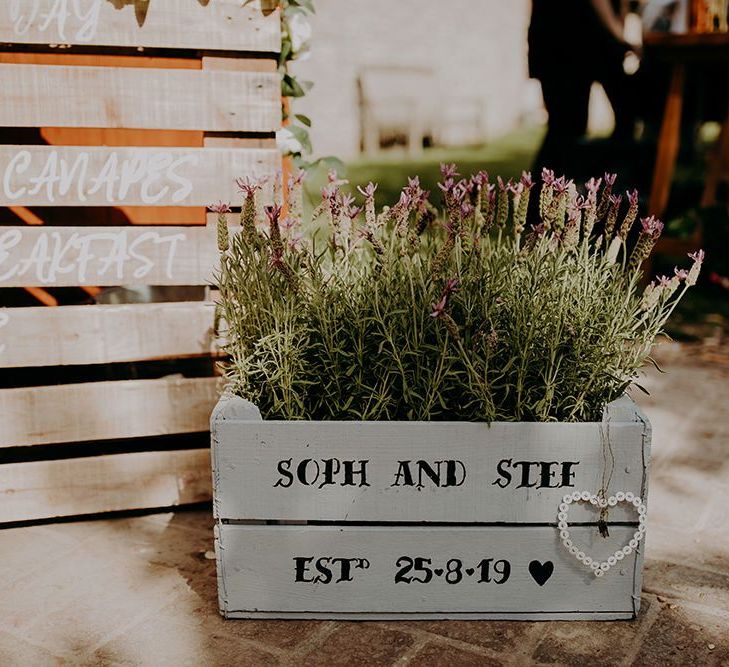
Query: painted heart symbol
point(438, 572)
point(470, 571)
point(541, 571)
point(600, 568)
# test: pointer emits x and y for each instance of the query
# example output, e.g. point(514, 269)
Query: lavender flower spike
point(693, 274)
point(221, 208)
point(651, 229)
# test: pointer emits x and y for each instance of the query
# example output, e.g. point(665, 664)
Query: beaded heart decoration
point(600, 568)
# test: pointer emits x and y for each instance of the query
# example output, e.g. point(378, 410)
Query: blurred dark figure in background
point(572, 44)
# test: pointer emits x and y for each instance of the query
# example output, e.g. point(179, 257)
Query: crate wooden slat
point(106, 410)
point(135, 255)
point(227, 25)
point(104, 176)
point(104, 334)
point(569, 593)
point(481, 470)
point(127, 97)
point(94, 484)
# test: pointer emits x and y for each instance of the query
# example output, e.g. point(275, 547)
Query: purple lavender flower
point(561, 185)
point(681, 274)
point(479, 179)
point(447, 185)
point(593, 185)
point(439, 308)
point(547, 176)
point(296, 179)
point(329, 192)
point(249, 186)
point(609, 179)
point(353, 211)
point(452, 285)
point(516, 188)
point(448, 171)
point(651, 227)
point(347, 201)
point(273, 213)
point(615, 200)
point(220, 208)
point(693, 274)
point(503, 186)
point(369, 190)
point(526, 180)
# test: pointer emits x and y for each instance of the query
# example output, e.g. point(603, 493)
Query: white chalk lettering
point(8, 240)
point(93, 256)
point(143, 175)
point(18, 164)
point(81, 17)
point(4, 321)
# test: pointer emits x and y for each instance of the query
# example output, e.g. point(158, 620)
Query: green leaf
point(290, 87)
point(302, 135)
point(333, 163)
point(285, 51)
point(303, 119)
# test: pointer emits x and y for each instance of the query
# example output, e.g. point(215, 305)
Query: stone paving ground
point(141, 591)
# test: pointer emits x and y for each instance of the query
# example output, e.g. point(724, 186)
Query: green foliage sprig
point(294, 43)
point(463, 312)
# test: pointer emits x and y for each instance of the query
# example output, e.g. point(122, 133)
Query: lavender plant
point(457, 312)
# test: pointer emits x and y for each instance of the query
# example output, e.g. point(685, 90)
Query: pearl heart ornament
point(600, 568)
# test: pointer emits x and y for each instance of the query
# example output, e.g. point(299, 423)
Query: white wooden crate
point(386, 520)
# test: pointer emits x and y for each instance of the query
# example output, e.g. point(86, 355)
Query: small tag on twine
point(602, 524)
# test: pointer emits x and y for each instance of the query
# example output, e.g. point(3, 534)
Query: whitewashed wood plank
point(258, 567)
point(141, 98)
point(480, 473)
point(104, 176)
point(229, 25)
point(69, 487)
point(105, 256)
point(104, 334)
point(105, 410)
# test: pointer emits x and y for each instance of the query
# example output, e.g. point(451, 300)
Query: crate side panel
point(497, 473)
point(262, 574)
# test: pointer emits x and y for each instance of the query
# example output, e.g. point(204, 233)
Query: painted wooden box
point(414, 520)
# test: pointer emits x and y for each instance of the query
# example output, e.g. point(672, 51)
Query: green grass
point(505, 157)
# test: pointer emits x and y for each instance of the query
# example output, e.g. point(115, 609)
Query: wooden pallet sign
point(140, 115)
point(392, 520)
